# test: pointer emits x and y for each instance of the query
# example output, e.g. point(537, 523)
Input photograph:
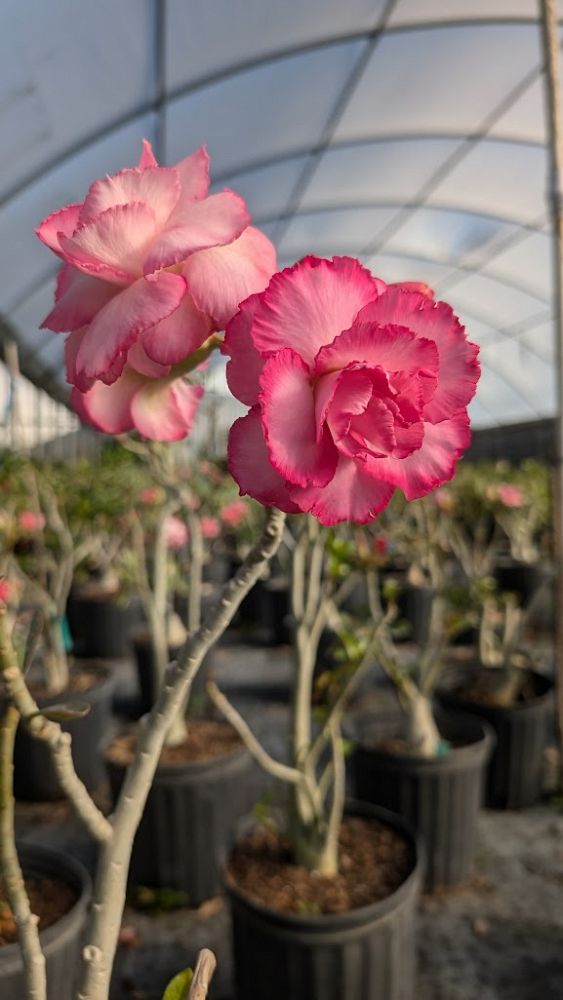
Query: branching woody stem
point(109, 892)
point(57, 741)
point(12, 877)
point(271, 766)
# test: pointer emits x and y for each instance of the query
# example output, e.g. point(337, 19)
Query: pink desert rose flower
point(210, 527)
point(175, 533)
point(510, 496)
point(233, 513)
point(30, 522)
point(152, 265)
point(5, 590)
point(354, 388)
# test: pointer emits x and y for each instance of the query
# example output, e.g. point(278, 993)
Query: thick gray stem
point(423, 734)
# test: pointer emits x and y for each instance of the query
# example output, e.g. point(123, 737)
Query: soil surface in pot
point(81, 679)
point(207, 738)
point(488, 689)
point(374, 861)
point(49, 899)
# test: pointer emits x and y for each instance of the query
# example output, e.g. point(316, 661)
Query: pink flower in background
point(510, 496)
point(31, 522)
point(5, 590)
point(152, 265)
point(151, 495)
point(354, 388)
point(175, 533)
point(210, 527)
point(233, 513)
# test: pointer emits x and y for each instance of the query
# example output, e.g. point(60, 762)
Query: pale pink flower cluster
point(152, 265)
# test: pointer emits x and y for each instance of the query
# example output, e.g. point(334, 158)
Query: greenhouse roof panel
point(409, 133)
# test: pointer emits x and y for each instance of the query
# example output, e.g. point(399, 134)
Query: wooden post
point(550, 37)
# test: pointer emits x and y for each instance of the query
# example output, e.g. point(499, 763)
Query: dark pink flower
point(354, 388)
point(5, 590)
point(31, 522)
point(233, 513)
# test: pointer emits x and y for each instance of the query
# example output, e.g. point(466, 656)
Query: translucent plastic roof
point(409, 133)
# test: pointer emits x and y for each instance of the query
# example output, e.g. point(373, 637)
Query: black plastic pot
point(519, 578)
point(35, 779)
point(62, 942)
point(415, 604)
point(439, 796)
point(100, 625)
point(514, 773)
point(188, 822)
point(364, 954)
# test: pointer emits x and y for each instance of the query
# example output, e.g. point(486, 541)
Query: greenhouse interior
point(281, 500)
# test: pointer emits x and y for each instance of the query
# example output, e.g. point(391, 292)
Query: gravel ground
point(499, 937)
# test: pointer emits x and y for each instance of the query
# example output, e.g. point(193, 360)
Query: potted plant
point(35, 880)
point(42, 556)
point(290, 898)
point(429, 770)
point(515, 699)
point(522, 509)
point(328, 435)
point(201, 786)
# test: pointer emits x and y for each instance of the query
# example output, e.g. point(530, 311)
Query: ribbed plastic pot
point(100, 626)
point(514, 773)
point(188, 823)
point(364, 954)
point(62, 942)
point(440, 796)
point(35, 779)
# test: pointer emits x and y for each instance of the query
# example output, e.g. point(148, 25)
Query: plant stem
point(57, 741)
point(12, 876)
point(109, 892)
point(203, 974)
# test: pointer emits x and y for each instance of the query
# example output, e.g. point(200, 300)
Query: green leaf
point(178, 987)
point(64, 712)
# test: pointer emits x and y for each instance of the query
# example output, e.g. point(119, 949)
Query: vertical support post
point(550, 38)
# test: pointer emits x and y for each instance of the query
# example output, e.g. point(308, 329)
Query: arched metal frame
point(164, 98)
